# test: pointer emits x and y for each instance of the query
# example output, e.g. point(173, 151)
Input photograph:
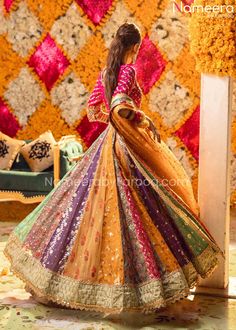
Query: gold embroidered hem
point(202, 266)
point(75, 294)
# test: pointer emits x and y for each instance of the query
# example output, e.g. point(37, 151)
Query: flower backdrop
point(213, 37)
point(51, 53)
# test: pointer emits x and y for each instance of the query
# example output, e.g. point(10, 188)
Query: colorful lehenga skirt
point(114, 235)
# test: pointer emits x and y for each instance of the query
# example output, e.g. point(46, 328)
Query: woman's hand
point(153, 129)
point(139, 119)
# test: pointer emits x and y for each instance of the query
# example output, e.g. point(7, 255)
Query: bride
point(121, 231)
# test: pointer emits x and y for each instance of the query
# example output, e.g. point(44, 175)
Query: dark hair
point(126, 36)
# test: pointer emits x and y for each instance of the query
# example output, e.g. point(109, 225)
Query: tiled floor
point(19, 311)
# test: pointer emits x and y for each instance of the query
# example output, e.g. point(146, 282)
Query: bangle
point(143, 124)
point(139, 117)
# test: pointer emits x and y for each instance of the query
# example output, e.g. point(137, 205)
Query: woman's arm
point(96, 109)
point(126, 107)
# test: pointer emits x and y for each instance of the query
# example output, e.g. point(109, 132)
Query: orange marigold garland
point(213, 37)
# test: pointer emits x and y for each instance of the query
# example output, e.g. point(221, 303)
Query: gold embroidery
point(100, 297)
point(178, 210)
point(98, 113)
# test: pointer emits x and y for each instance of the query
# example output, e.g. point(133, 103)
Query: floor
point(19, 311)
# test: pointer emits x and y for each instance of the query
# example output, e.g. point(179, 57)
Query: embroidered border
point(99, 297)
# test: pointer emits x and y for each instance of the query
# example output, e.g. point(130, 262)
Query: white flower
point(71, 97)
point(120, 15)
point(170, 31)
point(170, 100)
point(3, 23)
point(71, 32)
point(23, 29)
point(24, 95)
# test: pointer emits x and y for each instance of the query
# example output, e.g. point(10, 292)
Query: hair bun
point(127, 32)
point(121, 35)
point(125, 29)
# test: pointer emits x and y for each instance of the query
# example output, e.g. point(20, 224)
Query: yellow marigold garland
point(40, 121)
point(185, 72)
point(213, 37)
point(12, 64)
point(90, 60)
point(48, 11)
point(147, 11)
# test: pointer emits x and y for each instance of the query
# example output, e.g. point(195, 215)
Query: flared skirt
point(114, 235)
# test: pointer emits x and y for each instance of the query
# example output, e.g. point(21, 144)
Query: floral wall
point(51, 53)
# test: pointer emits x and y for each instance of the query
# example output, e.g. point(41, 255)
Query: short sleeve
point(126, 80)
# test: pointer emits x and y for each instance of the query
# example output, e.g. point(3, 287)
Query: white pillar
point(214, 167)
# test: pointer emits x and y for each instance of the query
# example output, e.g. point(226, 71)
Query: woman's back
point(126, 84)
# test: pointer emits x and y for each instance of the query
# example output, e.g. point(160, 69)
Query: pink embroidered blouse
point(98, 108)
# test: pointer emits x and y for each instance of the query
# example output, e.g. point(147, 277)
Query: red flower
point(97, 237)
point(83, 240)
point(93, 271)
point(72, 257)
point(86, 255)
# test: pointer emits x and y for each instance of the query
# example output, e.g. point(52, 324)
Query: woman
point(121, 230)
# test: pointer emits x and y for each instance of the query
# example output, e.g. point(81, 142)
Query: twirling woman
point(114, 235)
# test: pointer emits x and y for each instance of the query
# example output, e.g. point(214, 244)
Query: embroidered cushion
point(9, 149)
point(39, 153)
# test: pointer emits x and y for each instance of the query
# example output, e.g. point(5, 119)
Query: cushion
point(39, 153)
point(68, 150)
point(27, 181)
point(9, 149)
